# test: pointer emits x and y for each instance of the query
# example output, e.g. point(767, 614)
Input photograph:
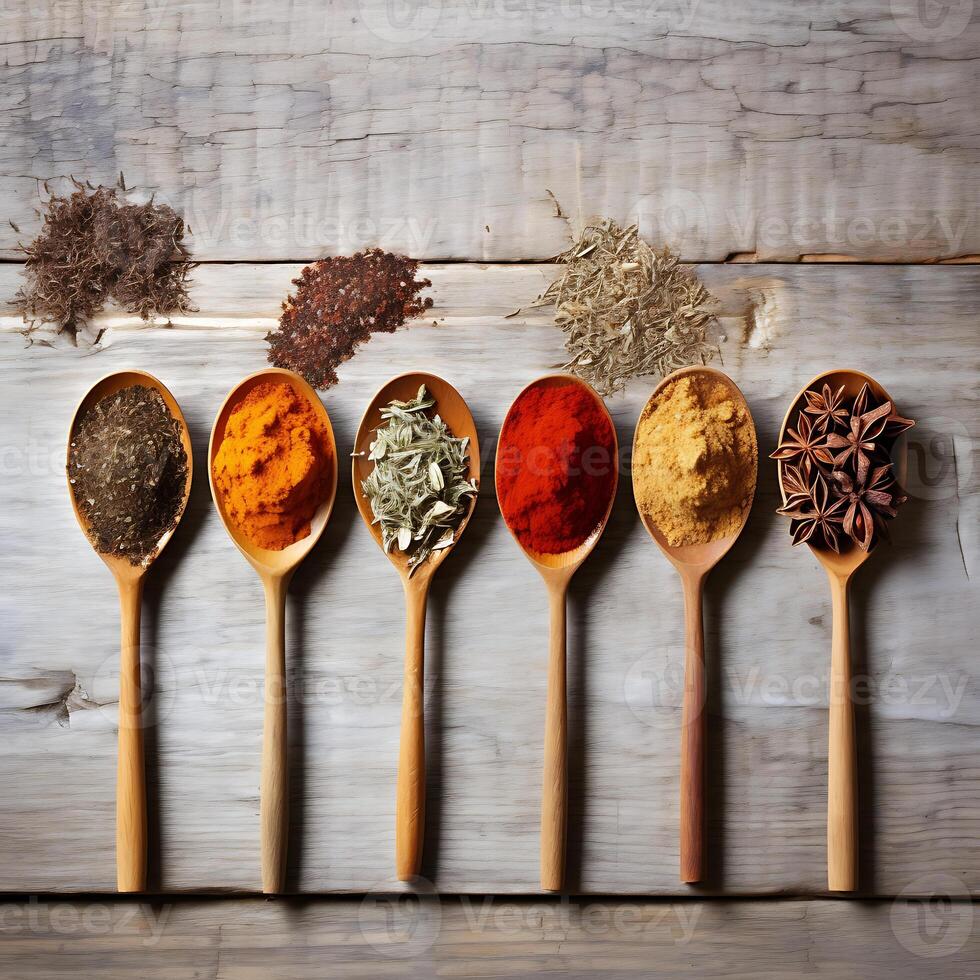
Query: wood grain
point(384, 936)
point(767, 624)
point(772, 130)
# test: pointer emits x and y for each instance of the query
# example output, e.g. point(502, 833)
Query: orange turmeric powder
point(273, 467)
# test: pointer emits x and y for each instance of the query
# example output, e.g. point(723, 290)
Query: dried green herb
point(128, 467)
point(94, 247)
point(419, 489)
point(627, 311)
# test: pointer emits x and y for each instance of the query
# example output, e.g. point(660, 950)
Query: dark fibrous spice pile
point(339, 302)
point(128, 468)
point(94, 247)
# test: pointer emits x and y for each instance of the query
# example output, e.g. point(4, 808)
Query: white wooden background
point(768, 132)
point(768, 622)
point(284, 130)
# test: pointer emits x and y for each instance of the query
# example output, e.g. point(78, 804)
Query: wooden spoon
point(842, 842)
point(410, 795)
point(693, 563)
point(130, 776)
point(557, 571)
point(275, 569)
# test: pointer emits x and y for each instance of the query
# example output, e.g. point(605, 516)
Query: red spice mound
point(339, 302)
point(556, 467)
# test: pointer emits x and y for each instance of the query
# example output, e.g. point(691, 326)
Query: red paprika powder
point(556, 466)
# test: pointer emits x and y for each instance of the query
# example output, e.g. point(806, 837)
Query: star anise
point(859, 443)
point(803, 444)
point(868, 503)
point(816, 514)
point(828, 408)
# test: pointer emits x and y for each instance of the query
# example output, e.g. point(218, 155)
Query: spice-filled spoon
point(273, 474)
point(556, 475)
point(695, 465)
point(416, 470)
point(836, 455)
point(149, 434)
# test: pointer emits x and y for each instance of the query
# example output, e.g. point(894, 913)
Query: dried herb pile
point(626, 310)
point(94, 247)
point(836, 469)
point(128, 467)
point(420, 489)
point(339, 302)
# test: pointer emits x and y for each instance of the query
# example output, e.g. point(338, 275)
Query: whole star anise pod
point(827, 407)
point(805, 444)
point(816, 514)
point(868, 503)
point(859, 443)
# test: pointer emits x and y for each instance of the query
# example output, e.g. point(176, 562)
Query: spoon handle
point(274, 800)
point(693, 718)
point(554, 797)
point(410, 793)
point(841, 761)
point(130, 775)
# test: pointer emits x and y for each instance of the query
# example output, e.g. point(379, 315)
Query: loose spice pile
point(95, 247)
point(695, 461)
point(274, 466)
point(836, 471)
point(556, 467)
point(128, 468)
point(339, 302)
point(420, 489)
point(626, 310)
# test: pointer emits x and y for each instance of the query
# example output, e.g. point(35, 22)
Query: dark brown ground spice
point(339, 302)
point(128, 467)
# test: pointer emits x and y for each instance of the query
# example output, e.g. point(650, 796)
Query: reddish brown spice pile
point(339, 302)
point(95, 247)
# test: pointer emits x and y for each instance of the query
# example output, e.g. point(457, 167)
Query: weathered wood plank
point(486, 937)
point(914, 621)
point(288, 131)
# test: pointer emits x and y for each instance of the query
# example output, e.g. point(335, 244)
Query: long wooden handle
point(693, 727)
point(842, 759)
point(554, 796)
point(274, 800)
point(130, 774)
point(410, 793)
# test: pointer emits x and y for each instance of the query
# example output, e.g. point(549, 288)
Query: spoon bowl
point(695, 558)
point(557, 571)
point(454, 411)
point(693, 563)
point(264, 560)
point(853, 557)
point(410, 792)
point(130, 780)
point(842, 842)
point(121, 567)
point(275, 568)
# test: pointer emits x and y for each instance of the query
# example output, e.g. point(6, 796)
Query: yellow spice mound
point(694, 467)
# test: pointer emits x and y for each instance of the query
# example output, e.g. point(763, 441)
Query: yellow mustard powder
point(695, 461)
